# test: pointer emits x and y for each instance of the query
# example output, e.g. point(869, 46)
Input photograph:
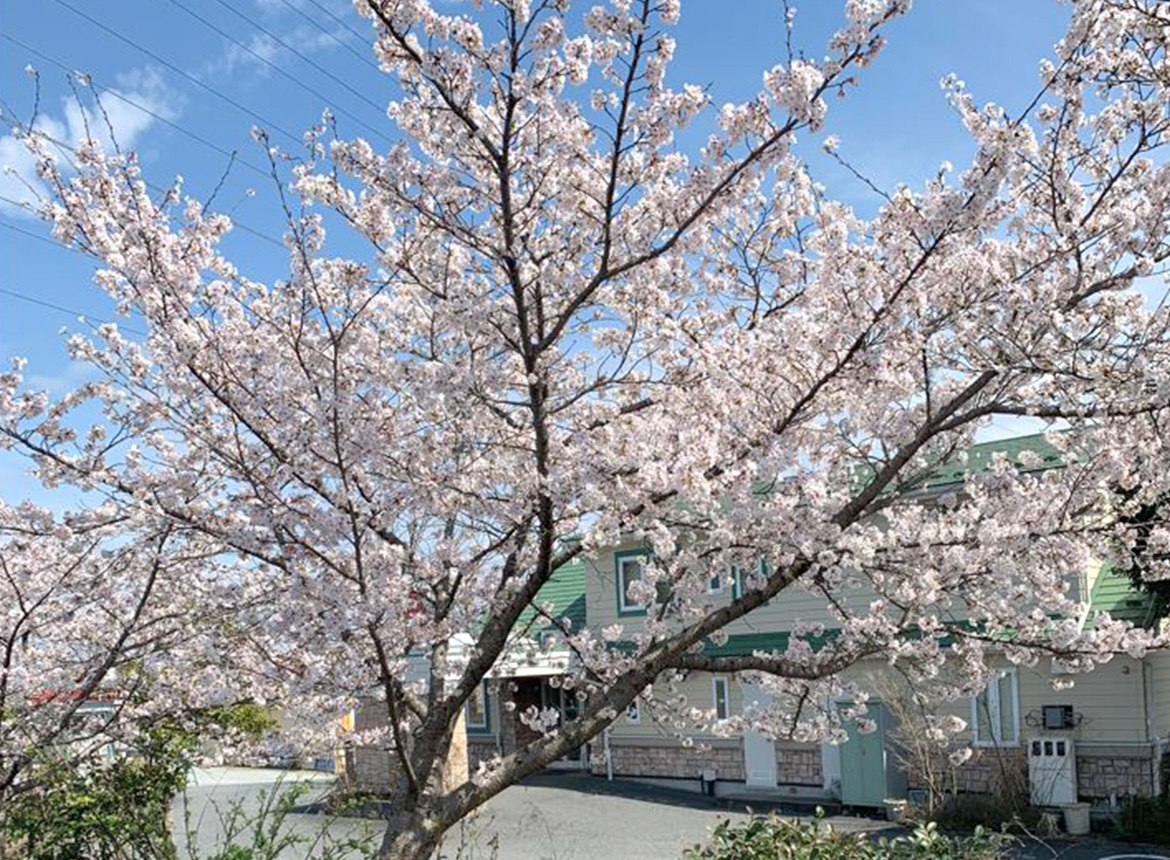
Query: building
point(1111, 730)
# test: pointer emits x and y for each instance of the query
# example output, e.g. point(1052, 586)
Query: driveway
point(575, 817)
point(550, 817)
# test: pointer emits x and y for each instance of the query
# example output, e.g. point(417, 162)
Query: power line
point(361, 55)
point(191, 134)
point(278, 69)
point(341, 21)
point(309, 60)
point(30, 233)
point(153, 186)
point(263, 121)
point(71, 311)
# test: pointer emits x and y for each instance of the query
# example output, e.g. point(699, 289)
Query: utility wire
point(71, 311)
point(265, 122)
point(361, 55)
point(315, 93)
point(39, 238)
point(309, 60)
point(151, 185)
point(30, 233)
point(107, 91)
point(342, 22)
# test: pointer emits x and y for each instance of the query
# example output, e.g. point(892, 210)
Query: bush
point(1145, 819)
point(777, 839)
point(964, 812)
point(102, 810)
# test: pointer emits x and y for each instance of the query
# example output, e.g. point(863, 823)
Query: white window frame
point(718, 587)
point(994, 713)
point(625, 608)
point(716, 681)
point(482, 696)
point(634, 713)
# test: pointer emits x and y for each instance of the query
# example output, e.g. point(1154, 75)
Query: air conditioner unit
point(1052, 770)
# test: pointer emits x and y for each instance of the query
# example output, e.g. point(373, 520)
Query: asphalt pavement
point(551, 817)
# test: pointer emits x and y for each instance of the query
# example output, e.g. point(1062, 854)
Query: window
point(629, 570)
point(995, 712)
point(736, 582)
point(721, 697)
point(715, 584)
point(477, 709)
point(634, 713)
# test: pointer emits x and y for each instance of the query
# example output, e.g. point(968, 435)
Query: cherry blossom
point(569, 333)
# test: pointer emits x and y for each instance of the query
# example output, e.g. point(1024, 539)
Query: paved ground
point(221, 806)
point(552, 817)
point(572, 817)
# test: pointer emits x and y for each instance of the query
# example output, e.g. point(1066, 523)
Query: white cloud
point(76, 121)
point(303, 37)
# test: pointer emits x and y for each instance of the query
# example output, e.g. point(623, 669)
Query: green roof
point(979, 458)
point(1115, 593)
point(565, 590)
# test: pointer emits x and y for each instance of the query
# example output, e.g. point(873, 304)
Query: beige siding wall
point(780, 614)
point(699, 694)
point(1109, 700)
point(1159, 668)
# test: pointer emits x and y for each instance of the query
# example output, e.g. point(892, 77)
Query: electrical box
point(1052, 770)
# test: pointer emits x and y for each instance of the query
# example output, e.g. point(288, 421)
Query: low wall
point(656, 757)
point(799, 764)
point(1105, 772)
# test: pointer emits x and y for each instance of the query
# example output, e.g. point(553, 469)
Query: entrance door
point(759, 752)
point(863, 762)
point(566, 703)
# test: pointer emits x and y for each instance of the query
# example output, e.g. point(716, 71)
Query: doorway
point(759, 752)
point(863, 762)
point(568, 706)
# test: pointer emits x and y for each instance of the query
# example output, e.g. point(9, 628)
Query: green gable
point(1114, 592)
point(565, 590)
point(979, 458)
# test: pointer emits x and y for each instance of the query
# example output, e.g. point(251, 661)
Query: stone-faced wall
point(798, 764)
point(378, 770)
point(989, 770)
point(1104, 772)
point(654, 757)
point(480, 748)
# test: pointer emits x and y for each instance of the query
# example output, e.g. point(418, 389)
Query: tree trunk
point(409, 838)
point(416, 837)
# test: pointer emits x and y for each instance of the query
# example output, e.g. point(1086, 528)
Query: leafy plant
point(267, 832)
point(102, 810)
point(771, 838)
point(1145, 819)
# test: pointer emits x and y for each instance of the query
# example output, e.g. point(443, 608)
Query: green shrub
point(104, 810)
point(774, 838)
point(964, 812)
point(1145, 819)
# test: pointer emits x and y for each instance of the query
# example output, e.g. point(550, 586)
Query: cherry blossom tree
point(568, 325)
point(94, 632)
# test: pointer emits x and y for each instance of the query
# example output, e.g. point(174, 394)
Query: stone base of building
point(1112, 773)
point(661, 758)
point(480, 750)
point(656, 757)
point(799, 764)
point(1105, 772)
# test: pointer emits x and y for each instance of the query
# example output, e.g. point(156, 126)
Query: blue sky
point(896, 127)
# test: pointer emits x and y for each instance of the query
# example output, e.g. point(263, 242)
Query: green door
point(863, 762)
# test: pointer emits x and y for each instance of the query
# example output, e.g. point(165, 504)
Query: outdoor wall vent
point(1057, 717)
